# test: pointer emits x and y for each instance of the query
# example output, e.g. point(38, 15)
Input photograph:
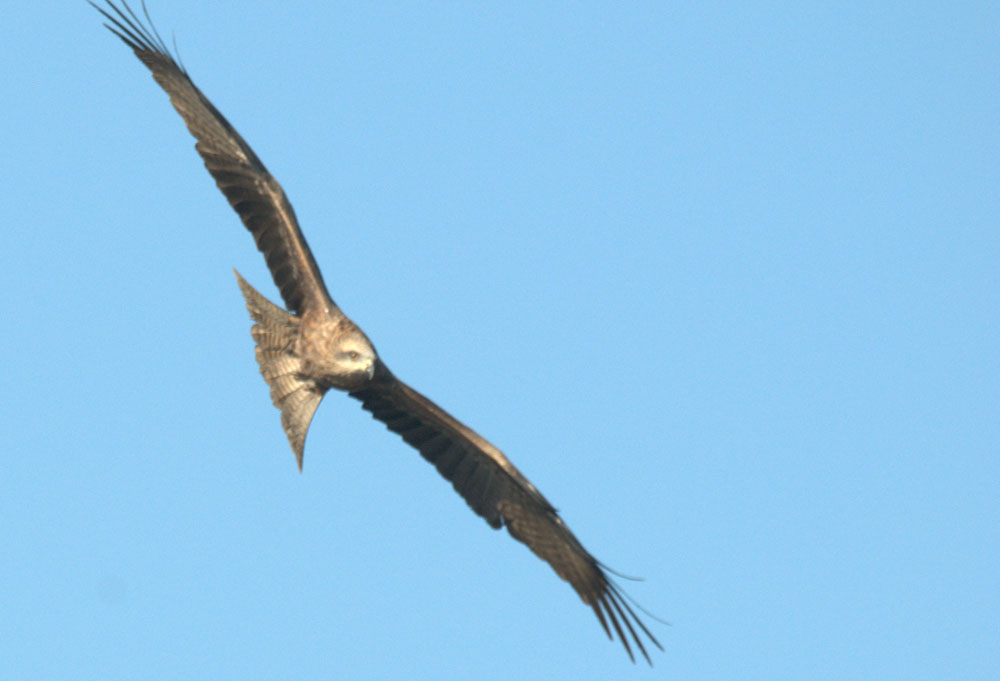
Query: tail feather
point(275, 333)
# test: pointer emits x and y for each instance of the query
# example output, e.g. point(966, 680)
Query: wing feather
point(251, 190)
point(498, 492)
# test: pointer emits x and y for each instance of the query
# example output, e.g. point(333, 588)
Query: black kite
point(312, 346)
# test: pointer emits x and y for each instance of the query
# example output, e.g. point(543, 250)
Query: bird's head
point(352, 362)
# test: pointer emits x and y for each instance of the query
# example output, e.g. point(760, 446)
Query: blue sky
point(721, 279)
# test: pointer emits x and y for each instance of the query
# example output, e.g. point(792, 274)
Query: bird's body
point(312, 346)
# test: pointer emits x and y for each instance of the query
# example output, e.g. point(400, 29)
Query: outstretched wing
point(498, 492)
point(253, 193)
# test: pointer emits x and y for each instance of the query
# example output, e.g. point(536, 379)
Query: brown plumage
point(312, 346)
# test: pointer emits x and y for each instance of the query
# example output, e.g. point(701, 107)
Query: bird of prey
point(310, 347)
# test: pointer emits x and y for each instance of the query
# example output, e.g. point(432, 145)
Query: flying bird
point(311, 346)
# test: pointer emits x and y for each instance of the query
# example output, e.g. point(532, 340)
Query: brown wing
point(253, 193)
point(498, 492)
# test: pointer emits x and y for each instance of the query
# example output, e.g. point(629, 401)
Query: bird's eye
point(354, 355)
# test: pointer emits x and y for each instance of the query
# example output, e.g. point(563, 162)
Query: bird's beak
point(371, 371)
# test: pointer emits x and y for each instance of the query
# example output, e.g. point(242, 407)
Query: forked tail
point(275, 333)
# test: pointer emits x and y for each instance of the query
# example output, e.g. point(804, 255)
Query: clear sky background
point(723, 280)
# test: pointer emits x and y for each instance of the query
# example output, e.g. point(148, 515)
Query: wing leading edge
point(497, 491)
point(251, 190)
